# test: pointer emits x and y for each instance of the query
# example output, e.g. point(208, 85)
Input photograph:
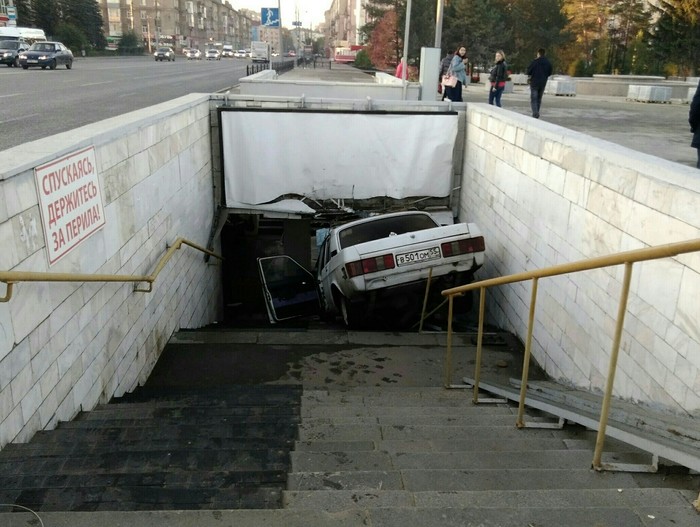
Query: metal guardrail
point(9, 278)
point(279, 67)
point(626, 258)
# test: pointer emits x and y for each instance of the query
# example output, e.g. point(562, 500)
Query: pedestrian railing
point(9, 278)
point(628, 259)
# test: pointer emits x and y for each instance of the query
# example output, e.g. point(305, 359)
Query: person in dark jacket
point(498, 78)
point(538, 72)
point(694, 120)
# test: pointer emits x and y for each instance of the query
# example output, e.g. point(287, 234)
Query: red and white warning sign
point(70, 201)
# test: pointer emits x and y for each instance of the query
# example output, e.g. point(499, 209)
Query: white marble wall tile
point(21, 194)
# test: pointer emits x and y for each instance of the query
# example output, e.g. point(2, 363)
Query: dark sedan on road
point(46, 54)
point(10, 50)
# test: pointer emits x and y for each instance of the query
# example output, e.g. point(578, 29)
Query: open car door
point(289, 289)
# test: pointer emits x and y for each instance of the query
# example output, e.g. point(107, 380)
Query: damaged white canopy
point(335, 154)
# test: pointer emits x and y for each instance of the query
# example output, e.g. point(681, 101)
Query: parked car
point(46, 54)
point(374, 265)
point(193, 54)
point(162, 54)
point(10, 51)
point(212, 54)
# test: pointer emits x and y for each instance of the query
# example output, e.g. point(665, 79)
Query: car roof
point(387, 215)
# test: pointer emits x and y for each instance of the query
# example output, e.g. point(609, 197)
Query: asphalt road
point(37, 103)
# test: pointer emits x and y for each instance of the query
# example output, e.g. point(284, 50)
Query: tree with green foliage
point(46, 15)
point(71, 36)
point(25, 15)
point(480, 25)
point(130, 44)
point(675, 38)
point(535, 24)
point(87, 16)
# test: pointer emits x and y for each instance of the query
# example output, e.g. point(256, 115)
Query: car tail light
point(370, 265)
point(470, 245)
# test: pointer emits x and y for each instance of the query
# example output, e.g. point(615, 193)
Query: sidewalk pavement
point(661, 130)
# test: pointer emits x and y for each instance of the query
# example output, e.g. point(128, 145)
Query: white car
point(374, 265)
point(212, 54)
point(239, 54)
point(193, 54)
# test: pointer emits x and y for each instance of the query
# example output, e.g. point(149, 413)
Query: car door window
point(289, 289)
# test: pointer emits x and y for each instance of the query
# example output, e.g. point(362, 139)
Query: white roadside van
point(30, 34)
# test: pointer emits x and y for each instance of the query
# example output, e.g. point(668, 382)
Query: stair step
point(343, 432)
point(183, 433)
point(460, 479)
point(338, 500)
point(238, 395)
point(173, 410)
point(191, 478)
point(422, 420)
point(472, 460)
point(95, 422)
point(34, 448)
point(405, 412)
point(123, 498)
point(145, 462)
point(521, 442)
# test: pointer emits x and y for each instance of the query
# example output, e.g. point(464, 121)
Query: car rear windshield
point(384, 227)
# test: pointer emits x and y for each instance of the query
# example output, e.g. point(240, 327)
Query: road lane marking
point(24, 117)
point(10, 95)
point(94, 84)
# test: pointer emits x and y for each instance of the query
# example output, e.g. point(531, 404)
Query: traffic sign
point(270, 16)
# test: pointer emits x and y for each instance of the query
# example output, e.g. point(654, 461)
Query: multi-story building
point(177, 23)
point(344, 19)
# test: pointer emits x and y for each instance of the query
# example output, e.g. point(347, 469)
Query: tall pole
point(404, 72)
point(438, 23)
point(279, 33)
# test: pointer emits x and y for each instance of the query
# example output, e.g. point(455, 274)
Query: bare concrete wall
point(66, 347)
point(545, 195)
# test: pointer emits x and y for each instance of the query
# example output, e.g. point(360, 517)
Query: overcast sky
point(310, 11)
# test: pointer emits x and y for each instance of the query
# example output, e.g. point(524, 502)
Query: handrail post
point(479, 343)
point(8, 292)
point(526, 356)
point(448, 351)
point(425, 299)
point(605, 409)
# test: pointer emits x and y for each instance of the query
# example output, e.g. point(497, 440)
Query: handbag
point(449, 80)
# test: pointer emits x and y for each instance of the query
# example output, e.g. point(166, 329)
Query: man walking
point(538, 72)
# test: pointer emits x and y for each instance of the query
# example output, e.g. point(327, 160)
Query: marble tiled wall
point(67, 346)
point(545, 195)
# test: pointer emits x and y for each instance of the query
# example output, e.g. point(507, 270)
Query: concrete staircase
point(161, 449)
point(427, 456)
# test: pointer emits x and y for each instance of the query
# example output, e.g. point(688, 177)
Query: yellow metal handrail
point(13, 277)
point(627, 258)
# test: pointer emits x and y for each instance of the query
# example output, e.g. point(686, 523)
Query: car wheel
point(10, 64)
point(43, 67)
point(352, 316)
point(53, 64)
point(25, 67)
point(69, 64)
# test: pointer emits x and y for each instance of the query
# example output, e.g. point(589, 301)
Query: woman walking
point(458, 68)
point(498, 78)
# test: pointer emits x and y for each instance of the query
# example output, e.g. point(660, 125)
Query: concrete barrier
point(560, 85)
point(649, 93)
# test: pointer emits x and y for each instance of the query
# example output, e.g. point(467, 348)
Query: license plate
point(30, 61)
point(418, 256)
